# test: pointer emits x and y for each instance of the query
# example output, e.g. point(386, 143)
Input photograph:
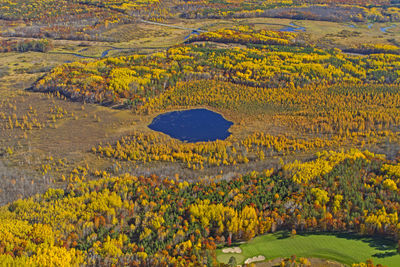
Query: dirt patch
point(232, 250)
point(254, 259)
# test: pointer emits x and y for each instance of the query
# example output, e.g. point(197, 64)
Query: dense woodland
point(147, 220)
point(137, 78)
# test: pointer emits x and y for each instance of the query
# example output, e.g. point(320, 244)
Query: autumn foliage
point(153, 221)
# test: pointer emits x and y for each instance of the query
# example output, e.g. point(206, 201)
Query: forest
point(137, 221)
point(137, 78)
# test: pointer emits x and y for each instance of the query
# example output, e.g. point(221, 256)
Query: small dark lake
point(194, 125)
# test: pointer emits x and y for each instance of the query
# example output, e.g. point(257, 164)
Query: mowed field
point(346, 249)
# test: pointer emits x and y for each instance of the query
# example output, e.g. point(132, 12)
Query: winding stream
point(103, 54)
point(293, 28)
point(194, 32)
point(384, 29)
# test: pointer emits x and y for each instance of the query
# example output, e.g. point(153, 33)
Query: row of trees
point(43, 45)
point(154, 147)
point(335, 10)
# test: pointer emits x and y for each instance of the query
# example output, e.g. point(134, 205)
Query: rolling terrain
point(307, 172)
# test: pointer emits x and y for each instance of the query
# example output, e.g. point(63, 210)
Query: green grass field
point(343, 248)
